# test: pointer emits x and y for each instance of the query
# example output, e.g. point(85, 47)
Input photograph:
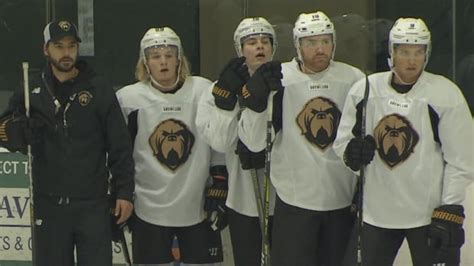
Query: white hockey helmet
point(160, 37)
point(249, 27)
point(409, 31)
point(312, 24)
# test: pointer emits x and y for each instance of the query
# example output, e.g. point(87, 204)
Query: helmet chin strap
point(310, 71)
point(159, 84)
point(307, 68)
point(303, 66)
point(394, 71)
point(400, 78)
point(251, 71)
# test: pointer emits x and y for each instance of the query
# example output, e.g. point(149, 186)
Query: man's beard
point(317, 63)
point(60, 67)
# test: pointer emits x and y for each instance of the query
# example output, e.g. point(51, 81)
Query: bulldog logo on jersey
point(395, 138)
point(171, 143)
point(84, 98)
point(318, 121)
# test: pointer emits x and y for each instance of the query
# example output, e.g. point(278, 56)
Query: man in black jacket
point(78, 137)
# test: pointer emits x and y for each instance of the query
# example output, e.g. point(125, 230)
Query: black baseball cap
point(59, 29)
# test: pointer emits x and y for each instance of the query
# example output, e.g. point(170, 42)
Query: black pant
point(306, 237)
point(246, 238)
point(380, 246)
point(64, 223)
point(198, 243)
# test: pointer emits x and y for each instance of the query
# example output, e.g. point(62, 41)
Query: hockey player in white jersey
point(171, 159)
point(417, 154)
point(312, 221)
point(218, 114)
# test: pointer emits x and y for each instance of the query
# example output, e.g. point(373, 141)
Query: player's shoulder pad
point(127, 95)
point(131, 89)
point(197, 85)
point(199, 81)
point(348, 71)
point(442, 91)
point(358, 88)
point(291, 73)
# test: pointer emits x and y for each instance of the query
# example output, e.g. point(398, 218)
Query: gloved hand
point(231, 80)
point(267, 78)
point(20, 131)
point(277, 114)
point(359, 152)
point(445, 233)
point(249, 159)
point(216, 196)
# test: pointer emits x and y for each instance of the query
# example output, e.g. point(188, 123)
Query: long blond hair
point(142, 74)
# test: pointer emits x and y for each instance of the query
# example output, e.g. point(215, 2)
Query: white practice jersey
point(171, 159)
point(411, 173)
point(219, 128)
point(304, 168)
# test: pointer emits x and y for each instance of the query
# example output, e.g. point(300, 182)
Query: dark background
point(362, 33)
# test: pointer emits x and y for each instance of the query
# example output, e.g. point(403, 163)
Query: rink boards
point(15, 234)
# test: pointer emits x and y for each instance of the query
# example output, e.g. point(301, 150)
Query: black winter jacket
point(85, 141)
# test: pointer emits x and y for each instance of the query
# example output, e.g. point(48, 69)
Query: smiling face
point(408, 61)
point(316, 52)
point(257, 51)
point(163, 64)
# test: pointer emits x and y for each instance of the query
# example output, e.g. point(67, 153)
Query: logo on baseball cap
point(59, 29)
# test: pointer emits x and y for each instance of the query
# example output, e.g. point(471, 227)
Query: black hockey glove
point(249, 159)
point(231, 80)
point(116, 230)
point(446, 234)
point(267, 78)
point(359, 152)
point(216, 196)
point(21, 131)
point(277, 120)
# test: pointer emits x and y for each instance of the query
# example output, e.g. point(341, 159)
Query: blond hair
point(142, 74)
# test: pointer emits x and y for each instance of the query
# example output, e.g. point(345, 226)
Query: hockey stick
point(360, 200)
point(266, 182)
point(26, 92)
point(258, 195)
point(258, 198)
point(126, 253)
point(252, 162)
